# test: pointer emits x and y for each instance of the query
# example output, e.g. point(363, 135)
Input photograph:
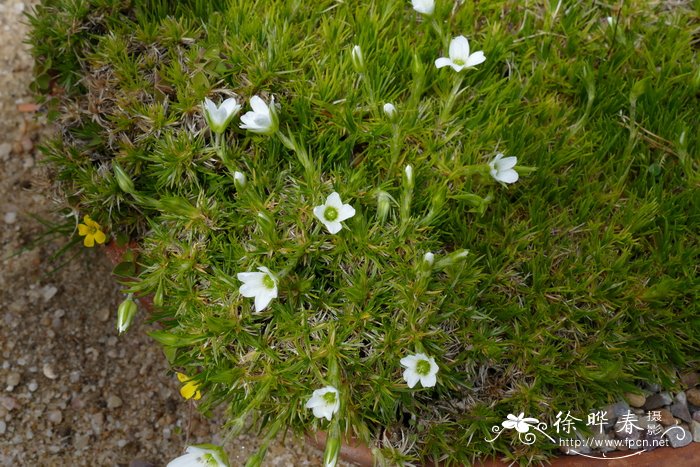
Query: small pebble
point(10, 217)
point(113, 402)
point(12, 380)
point(48, 292)
point(32, 386)
point(635, 400)
point(666, 417)
point(55, 416)
point(693, 396)
point(657, 400)
point(49, 372)
point(3, 427)
point(695, 430)
point(690, 379)
point(103, 314)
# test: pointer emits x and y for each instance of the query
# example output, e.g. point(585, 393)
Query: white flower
point(239, 179)
point(218, 117)
point(262, 119)
point(390, 110)
point(519, 423)
point(424, 7)
point(333, 212)
point(419, 367)
point(200, 457)
point(358, 61)
point(324, 402)
point(460, 58)
point(261, 285)
point(502, 168)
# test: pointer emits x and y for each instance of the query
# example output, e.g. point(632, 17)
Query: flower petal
point(83, 229)
point(506, 163)
point(259, 107)
point(333, 226)
point(182, 377)
point(442, 62)
point(100, 237)
point(508, 176)
point(429, 380)
point(89, 241)
point(509, 424)
point(252, 289)
point(250, 276)
point(409, 361)
point(262, 300)
point(318, 212)
point(459, 49)
point(230, 106)
point(476, 58)
point(345, 212)
point(334, 200)
point(411, 377)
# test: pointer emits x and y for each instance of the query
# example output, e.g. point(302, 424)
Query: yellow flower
point(189, 390)
point(91, 231)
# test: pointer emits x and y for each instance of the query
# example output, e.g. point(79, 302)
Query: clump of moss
point(579, 278)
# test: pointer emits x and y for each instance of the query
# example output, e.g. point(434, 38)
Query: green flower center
point(268, 282)
point(92, 230)
point(458, 62)
point(329, 397)
point(330, 213)
point(423, 367)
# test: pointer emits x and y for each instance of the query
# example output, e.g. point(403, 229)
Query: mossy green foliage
point(581, 277)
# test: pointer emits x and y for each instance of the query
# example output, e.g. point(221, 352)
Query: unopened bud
point(429, 258)
point(390, 111)
point(451, 259)
point(239, 179)
point(124, 181)
point(383, 205)
point(358, 61)
point(125, 313)
point(408, 172)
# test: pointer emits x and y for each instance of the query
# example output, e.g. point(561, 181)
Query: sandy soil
point(71, 391)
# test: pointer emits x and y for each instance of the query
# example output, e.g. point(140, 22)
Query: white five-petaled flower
point(520, 423)
point(333, 212)
point(324, 402)
point(262, 119)
point(424, 7)
point(218, 117)
point(261, 285)
point(199, 457)
point(419, 367)
point(460, 58)
point(502, 168)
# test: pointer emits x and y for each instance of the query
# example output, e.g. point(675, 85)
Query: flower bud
point(125, 313)
point(383, 205)
point(408, 172)
point(429, 258)
point(390, 111)
point(124, 181)
point(452, 258)
point(239, 179)
point(358, 61)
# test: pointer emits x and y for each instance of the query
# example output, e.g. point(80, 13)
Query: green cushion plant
point(362, 253)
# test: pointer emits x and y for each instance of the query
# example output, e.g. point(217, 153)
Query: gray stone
point(617, 410)
point(32, 386)
point(679, 436)
point(10, 217)
point(695, 430)
point(681, 411)
point(602, 442)
point(3, 427)
point(658, 400)
point(690, 379)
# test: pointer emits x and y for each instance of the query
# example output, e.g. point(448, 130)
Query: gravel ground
point(71, 391)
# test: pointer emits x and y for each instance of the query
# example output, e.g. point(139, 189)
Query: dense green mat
point(581, 277)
